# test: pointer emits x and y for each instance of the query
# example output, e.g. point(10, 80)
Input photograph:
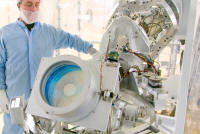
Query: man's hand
point(92, 51)
point(4, 102)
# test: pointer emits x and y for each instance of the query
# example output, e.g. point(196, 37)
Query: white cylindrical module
point(67, 88)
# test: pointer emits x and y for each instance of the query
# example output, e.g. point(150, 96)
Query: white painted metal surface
point(186, 69)
point(89, 106)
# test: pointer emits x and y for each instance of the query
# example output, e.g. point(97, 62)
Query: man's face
point(29, 5)
point(29, 10)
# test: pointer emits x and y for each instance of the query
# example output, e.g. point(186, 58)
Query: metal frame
point(90, 107)
point(186, 70)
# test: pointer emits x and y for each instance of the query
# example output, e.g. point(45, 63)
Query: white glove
point(4, 102)
point(96, 55)
point(92, 51)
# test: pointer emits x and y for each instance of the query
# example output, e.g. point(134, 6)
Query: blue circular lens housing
point(62, 85)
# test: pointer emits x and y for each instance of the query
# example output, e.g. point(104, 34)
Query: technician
point(22, 45)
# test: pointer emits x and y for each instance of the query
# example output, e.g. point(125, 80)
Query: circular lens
point(63, 85)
